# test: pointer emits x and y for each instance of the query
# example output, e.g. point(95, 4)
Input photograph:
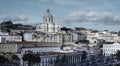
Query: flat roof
point(40, 47)
point(30, 43)
point(54, 53)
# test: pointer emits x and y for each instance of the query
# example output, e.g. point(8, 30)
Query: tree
point(118, 54)
point(37, 59)
point(76, 42)
point(84, 55)
point(15, 57)
point(119, 33)
point(9, 56)
point(51, 62)
point(65, 29)
point(28, 58)
point(6, 25)
point(31, 59)
point(63, 58)
point(57, 61)
point(117, 65)
point(92, 57)
point(3, 59)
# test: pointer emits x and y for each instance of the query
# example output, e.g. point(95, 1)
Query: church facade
point(50, 29)
point(48, 26)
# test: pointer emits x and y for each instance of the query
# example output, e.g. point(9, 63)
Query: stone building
point(48, 25)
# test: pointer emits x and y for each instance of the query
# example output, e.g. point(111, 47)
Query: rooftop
point(39, 47)
point(55, 53)
point(30, 42)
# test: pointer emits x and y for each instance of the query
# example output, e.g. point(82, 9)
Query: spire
point(48, 18)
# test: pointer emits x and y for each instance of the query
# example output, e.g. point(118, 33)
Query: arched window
point(46, 20)
point(49, 19)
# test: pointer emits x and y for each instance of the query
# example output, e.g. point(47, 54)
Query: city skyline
point(92, 14)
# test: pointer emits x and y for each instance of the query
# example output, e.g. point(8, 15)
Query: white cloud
point(16, 18)
point(105, 17)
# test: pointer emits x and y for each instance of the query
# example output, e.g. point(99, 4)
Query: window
point(46, 20)
point(44, 30)
point(39, 27)
point(49, 20)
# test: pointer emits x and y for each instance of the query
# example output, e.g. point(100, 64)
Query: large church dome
point(48, 18)
point(48, 25)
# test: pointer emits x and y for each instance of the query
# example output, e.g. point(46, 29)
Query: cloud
point(96, 17)
point(77, 2)
point(4, 13)
point(63, 2)
point(67, 2)
point(15, 18)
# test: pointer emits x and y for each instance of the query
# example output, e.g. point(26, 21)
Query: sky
point(91, 14)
